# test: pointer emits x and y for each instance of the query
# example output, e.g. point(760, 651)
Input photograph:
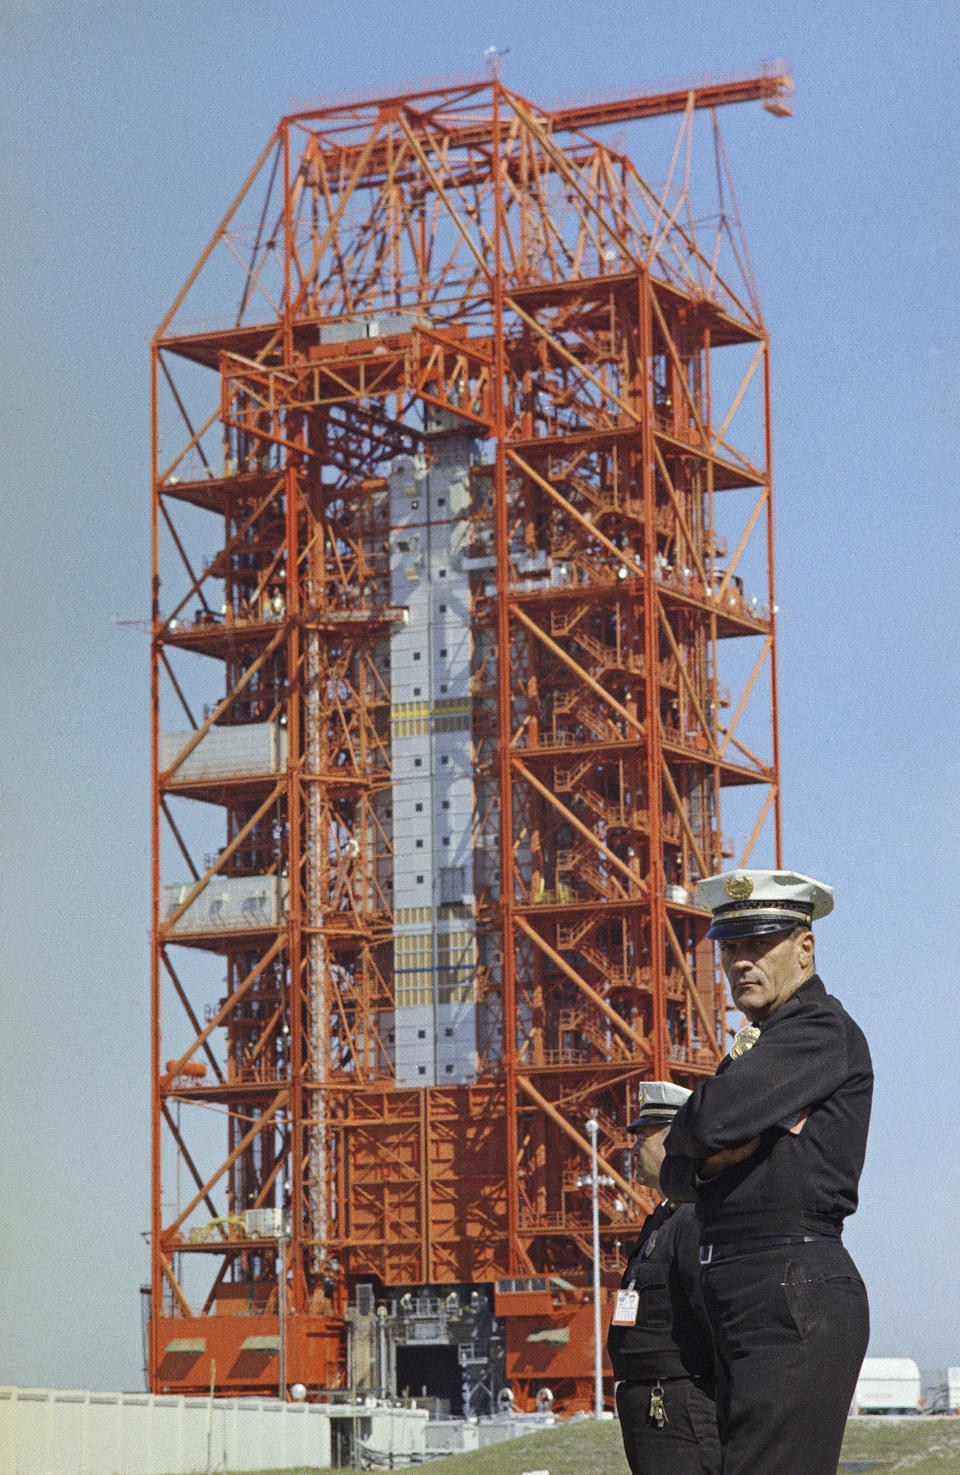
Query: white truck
point(888, 1385)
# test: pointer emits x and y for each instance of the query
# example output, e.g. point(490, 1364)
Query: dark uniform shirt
point(805, 1089)
point(671, 1336)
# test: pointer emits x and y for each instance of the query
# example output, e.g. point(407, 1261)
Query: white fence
point(58, 1432)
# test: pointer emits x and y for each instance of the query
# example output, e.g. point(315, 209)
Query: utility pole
point(595, 1181)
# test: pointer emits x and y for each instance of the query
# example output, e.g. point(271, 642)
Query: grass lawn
point(884, 1446)
point(920, 1446)
point(581, 1448)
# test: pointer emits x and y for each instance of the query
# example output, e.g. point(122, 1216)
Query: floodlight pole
point(592, 1129)
point(282, 1312)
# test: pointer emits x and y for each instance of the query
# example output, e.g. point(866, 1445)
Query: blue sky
point(126, 131)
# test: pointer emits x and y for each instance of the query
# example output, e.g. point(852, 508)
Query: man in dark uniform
point(771, 1150)
point(659, 1339)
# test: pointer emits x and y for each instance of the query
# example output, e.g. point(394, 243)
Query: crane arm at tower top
point(773, 87)
point(452, 113)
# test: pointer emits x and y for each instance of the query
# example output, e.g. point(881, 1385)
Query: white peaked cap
point(748, 903)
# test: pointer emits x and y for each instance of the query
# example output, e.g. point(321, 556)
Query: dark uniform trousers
point(791, 1326)
point(668, 1347)
point(687, 1444)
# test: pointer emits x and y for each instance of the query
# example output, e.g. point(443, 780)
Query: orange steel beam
point(501, 544)
point(628, 563)
point(772, 798)
point(167, 1272)
point(230, 1003)
point(690, 545)
point(709, 1024)
point(190, 1012)
point(771, 597)
point(222, 706)
point(222, 858)
point(188, 1159)
point(609, 701)
point(766, 649)
point(687, 683)
point(559, 961)
point(571, 819)
point(642, 388)
point(205, 257)
point(638, 1195)
point(678, 803)
point(260, 1123)
point(775, 86)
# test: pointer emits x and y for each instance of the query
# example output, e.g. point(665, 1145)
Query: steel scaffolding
point(442, 725)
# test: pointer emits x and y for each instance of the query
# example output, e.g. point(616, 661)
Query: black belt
point(711, 1253)
point(699, 1379)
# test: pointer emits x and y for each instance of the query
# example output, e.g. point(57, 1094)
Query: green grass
point(918, 1446)
point(583, 1448)
point(902, 1447)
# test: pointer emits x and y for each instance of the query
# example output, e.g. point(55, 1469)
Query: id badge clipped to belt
point(625, 1308)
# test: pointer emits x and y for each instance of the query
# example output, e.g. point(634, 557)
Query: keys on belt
point(656, 1411)
point(710, 1253)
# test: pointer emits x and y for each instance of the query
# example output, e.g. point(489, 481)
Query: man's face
point(648, 1154)
point(764, 971)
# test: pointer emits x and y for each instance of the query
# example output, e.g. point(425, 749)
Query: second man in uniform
point(659, 1339)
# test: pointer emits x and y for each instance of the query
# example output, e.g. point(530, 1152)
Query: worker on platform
point(659, 1339)
point(771, 1150)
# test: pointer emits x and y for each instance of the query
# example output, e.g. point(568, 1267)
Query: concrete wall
point(58, 1432)
point(454, 1436)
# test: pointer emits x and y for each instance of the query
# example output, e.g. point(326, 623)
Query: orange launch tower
point(463, 626)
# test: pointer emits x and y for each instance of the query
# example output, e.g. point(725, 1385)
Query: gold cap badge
point(738, 888)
